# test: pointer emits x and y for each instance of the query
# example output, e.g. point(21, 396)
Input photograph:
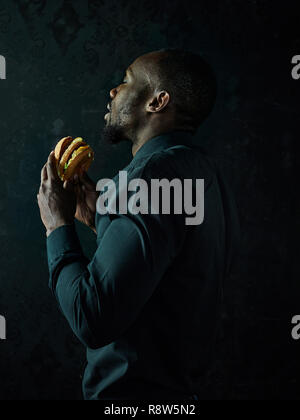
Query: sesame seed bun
point(72, 156)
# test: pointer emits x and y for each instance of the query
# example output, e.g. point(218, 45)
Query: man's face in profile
point(127, 105)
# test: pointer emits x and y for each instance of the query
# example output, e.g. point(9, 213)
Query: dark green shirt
point(147, 305)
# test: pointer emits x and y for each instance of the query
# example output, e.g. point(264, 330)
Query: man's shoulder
point(182, 161)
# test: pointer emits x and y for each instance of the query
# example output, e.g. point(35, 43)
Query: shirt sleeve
point(103, 297)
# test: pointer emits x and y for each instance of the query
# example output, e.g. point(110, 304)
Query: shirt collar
point(164, 141)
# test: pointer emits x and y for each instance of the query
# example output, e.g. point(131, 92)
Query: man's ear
point(158, 102)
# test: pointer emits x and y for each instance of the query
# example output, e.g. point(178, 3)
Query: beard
point(122, 129)
point(113, 134)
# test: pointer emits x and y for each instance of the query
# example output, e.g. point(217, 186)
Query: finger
point(44, 175)
point(38, 200)
point(40, 193)
point(86, 180)
point(51, 167)
point(78, 189)
point(79, 194)
point(68, 186)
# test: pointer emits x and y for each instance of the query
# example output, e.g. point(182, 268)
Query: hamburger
point(73, 156)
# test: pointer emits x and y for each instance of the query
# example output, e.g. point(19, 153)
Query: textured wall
point(62, 58)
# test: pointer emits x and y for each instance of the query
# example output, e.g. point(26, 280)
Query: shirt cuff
point(61, 240)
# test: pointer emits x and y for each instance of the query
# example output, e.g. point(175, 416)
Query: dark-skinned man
point(147, 306)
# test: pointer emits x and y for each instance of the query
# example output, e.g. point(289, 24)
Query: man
point(147, 306)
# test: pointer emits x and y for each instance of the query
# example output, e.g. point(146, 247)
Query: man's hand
point(56, 200)
point(87, 197)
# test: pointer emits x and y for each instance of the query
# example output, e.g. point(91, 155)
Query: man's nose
point(113, 93)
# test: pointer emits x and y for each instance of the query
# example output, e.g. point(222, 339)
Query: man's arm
point(101, 298)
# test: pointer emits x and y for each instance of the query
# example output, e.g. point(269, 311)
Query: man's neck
point(146, 137)
point(151, 133)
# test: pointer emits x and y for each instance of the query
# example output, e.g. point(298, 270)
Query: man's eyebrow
point(129, 70)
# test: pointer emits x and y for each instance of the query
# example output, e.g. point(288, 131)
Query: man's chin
point(113, 134)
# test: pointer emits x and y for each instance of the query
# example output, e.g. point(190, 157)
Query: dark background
point(63, 57)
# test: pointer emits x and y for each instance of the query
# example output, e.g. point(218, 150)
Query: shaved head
point(187, 77)
point(161, 91)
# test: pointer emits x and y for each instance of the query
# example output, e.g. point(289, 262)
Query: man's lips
point(109, 109)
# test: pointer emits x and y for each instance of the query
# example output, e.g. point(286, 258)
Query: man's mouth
point(109, 109)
